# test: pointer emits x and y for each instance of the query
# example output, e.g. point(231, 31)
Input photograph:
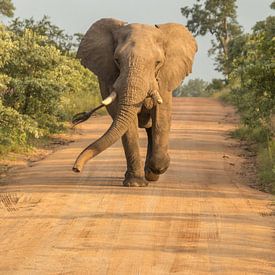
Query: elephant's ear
point(180, 48)
point(96, 49)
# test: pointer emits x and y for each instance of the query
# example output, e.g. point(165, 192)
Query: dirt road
point(198, 219)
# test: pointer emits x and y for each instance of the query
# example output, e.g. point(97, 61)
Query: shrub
point(266, 167)
point(254, 72)
point(252, 82)
point(40, 87)
point(194, 88)
point(16, 130)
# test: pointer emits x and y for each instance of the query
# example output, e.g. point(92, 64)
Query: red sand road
point(198, 219)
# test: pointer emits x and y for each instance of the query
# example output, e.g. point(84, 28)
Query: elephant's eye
point(157, 63)
point(116, 62)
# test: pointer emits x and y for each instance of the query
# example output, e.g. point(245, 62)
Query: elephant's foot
point(134, 179)
point(134, 182)
point(157, 164)
point(151, 176)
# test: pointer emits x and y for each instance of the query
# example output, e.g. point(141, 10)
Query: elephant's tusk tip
point(107, 101)
point(76, 169)
point(156, 96)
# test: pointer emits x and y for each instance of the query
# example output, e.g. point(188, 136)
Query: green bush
point(6, 47)
point(81, 90)
point(40, 88)
point(252, 84)
point(54, 35)
point(193, 88)
point(266, 167)
point(254, 135)
point(253, 77)
point(16, 130)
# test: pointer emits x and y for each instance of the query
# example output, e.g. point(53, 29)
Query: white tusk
point(108, 100)
point(160, 101)
point(156, 96)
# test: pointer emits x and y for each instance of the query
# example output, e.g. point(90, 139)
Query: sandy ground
point(200, 218)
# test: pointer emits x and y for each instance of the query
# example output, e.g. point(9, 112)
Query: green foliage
point(253, 78)
point(216, 85)
point(44, 27)
point(34, 87)
point(223, 95)
point(6, 47)
point(266, 167)
point(265, 160)
point(217, 17)
point(253, 135)
point(7, 8)
point(81, 90)
point(16, 130)
point(193, 88)
point(40, 88)
point(235, 48)
point(252, 74)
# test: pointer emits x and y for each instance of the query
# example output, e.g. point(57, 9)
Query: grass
point(255, 135)
point(266, 167)
point(45, 142)
point(71, 104)
point(265, 155)
point(34, 147)
point(76, 103)
point(223, 95)
point(257, 141)
point(34, 150)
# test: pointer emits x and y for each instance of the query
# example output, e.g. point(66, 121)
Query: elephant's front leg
point(134, 173)
point(158, 159)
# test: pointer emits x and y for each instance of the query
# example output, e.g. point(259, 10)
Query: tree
point(7, 8)
point(253, 73)
point(219, 18)
point(56, 36)
point(216, 85)
point(39, 87)
point(193, 88)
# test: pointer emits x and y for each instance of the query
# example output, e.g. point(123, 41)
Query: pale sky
point(77, 15)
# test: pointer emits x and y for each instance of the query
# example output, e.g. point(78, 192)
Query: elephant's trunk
point(120, 125)
point(132, 93)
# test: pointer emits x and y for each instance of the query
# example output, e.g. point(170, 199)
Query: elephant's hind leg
point(134, 173)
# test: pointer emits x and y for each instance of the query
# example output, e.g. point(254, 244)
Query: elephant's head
point(136, 61)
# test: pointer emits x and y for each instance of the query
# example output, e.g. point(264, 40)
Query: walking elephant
point(138, 66)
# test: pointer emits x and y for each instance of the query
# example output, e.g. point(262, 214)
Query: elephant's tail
point(81, 117)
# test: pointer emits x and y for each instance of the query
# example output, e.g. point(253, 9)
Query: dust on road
point(198, 219)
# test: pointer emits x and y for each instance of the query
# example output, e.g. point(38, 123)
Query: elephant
point(138, 66)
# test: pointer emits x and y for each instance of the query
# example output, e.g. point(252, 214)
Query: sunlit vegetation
point(193, 88)
point(42, 84)
point(248, 65)
point(252, 91)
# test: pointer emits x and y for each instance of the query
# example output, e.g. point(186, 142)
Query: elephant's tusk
point(156, 96)
point(108, 100)
point(81, 117)
point(159, 100)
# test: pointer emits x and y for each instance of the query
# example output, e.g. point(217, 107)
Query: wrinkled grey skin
point(136, 60)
